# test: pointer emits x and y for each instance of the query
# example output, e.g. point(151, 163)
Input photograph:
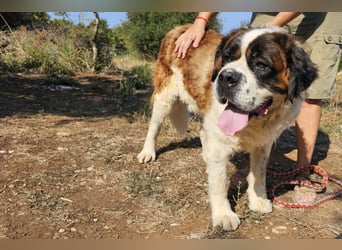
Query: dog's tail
point(180, 116)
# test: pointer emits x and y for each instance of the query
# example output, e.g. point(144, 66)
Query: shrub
point(61, 48)
point(135, 78)
point(40, 51)
point(147, 29)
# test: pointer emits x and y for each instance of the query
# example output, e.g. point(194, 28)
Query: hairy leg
point(257, 194)
point(161, 109)
point(215, 154)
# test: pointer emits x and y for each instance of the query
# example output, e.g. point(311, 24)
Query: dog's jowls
point(246, 87)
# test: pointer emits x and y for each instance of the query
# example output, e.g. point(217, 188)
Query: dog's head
point(252, 66)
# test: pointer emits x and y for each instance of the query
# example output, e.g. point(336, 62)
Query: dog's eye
point(227, 57)
point(254, 54)
point(232, 53)
point(261, 65)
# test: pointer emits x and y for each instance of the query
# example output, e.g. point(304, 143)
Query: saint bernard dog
point(246, 87)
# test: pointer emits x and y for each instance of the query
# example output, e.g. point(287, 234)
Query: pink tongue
point(232, 120)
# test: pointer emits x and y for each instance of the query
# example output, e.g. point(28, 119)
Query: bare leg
point(307, 124)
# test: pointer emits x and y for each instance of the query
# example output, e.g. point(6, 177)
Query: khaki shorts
point(322, 33)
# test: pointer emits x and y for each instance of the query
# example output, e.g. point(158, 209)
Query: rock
point(62, 134)
point(279, 230)
point(62, 149)
point(197, 235)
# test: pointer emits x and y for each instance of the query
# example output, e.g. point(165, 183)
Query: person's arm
point(282, 18)
point(194, 34)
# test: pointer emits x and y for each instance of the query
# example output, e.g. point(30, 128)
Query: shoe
point(304, 196)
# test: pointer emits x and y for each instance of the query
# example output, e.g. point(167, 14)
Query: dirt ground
point(68, 165)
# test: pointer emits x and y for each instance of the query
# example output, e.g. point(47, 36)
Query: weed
point(251, 215)
point(254, 215)
point(238, 195)
point(147, 184)
point(41, 200)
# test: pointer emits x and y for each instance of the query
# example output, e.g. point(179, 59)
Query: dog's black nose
point(230, 77)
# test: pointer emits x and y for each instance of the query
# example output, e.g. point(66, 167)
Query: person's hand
point(192, 36)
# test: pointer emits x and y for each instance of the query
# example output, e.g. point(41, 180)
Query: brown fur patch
point(199, 65)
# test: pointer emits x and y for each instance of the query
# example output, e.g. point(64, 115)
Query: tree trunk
point(96, 31)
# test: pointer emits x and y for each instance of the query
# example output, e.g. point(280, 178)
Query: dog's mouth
point(233, 119)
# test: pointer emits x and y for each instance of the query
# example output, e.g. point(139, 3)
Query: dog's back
point(196, 75)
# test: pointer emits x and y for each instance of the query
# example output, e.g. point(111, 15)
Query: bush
point(109, 45)
point(43, 51)
point(60, 48)
point(135, 78)
point(147, 29)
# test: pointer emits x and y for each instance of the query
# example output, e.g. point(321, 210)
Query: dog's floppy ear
point(302, 70)
point(218, 56)
point(217, 62)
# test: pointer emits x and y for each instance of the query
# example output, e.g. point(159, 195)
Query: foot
point(147, 155)
point(226, 219)
point(261, 205)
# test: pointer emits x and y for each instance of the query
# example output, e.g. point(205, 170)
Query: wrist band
point(203, 18)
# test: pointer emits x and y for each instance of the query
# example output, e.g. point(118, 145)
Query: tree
point(147, 29)
point(65, 15)
point(94, 45)
point(30, 20)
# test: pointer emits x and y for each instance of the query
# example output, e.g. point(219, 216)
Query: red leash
point(285, 179)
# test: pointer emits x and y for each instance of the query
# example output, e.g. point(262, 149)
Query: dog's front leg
point(257, 194)
point(222, 214)
point(161, 109)
point(216, 157)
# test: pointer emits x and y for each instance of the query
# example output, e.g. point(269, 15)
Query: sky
point(230, 20)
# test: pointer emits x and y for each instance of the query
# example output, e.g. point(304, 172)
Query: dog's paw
point(146, 156)
point(261, 205)
point(228, 220)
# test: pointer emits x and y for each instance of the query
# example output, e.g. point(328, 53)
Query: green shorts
point(323, 40)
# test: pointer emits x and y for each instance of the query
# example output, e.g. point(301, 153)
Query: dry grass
point(331, 120)
point(337, 98)
point(53, 50)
